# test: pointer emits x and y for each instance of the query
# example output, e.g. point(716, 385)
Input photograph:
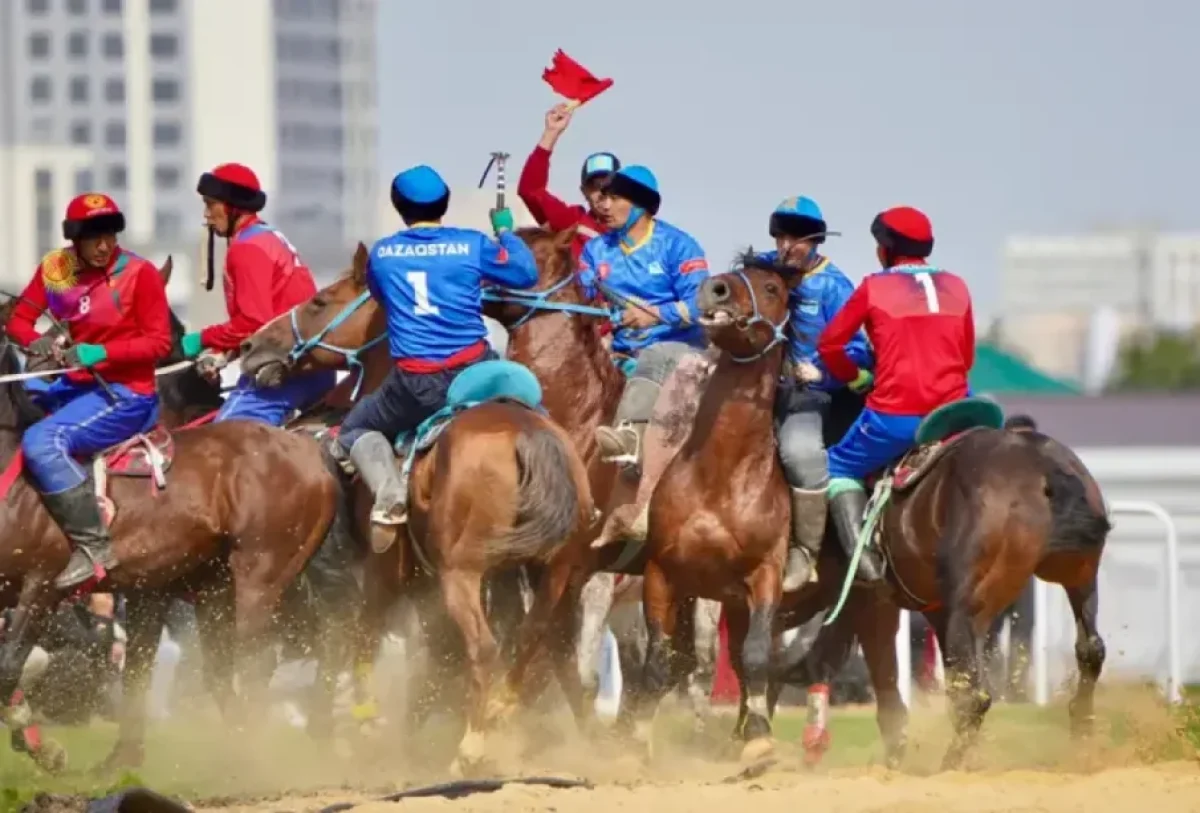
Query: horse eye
point(772, 289)
point(317, 303)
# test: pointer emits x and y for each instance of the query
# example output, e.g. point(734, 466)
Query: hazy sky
point(995, 118)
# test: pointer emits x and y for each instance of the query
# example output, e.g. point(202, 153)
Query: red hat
point(90, 215)
point(234, 185)
point(904, 232)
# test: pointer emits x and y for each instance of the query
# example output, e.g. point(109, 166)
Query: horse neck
point(581, 386)
point(11, 428)
point(733, 422)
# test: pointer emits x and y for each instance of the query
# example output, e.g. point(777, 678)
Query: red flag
point(568, 78)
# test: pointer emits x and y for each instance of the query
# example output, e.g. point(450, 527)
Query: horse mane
point(186, 390)
point(749, 259)
point(27, 412)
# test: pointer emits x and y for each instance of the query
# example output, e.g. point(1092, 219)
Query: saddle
point(146, 454)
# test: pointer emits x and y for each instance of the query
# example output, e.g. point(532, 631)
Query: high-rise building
point(136, 98)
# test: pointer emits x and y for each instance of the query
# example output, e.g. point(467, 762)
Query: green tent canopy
point(996, 371)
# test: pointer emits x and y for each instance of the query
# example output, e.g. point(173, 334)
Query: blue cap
point(641, 176)
point(420, 185)
point(801, 206)
point(599, 163)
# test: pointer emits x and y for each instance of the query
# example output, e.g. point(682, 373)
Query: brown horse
point(718, 525)
point(501, 486)
point(213, 518)
point(965, 520)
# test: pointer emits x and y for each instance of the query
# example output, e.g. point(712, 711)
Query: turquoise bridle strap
point(354, 364)
point(778, 331)
point(540, 301)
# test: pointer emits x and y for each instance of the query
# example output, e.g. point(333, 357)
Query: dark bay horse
point(719, 521)
point(965, 521)
point(215, 515)
point(501, 486)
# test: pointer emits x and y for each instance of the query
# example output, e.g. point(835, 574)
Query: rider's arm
point(250, 307)
point(688, 269)
point(837, 334)
point(546, 209)
point(508, 261)
point(969, 336)
point(152, 342)
point(22, 323)
point(838, 290)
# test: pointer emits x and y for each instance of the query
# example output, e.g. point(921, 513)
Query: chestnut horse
point(214, 517)
point(501, 486)
point(718, 526)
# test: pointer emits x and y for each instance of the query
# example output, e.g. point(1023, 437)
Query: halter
point(539, 300)
point(353, 362)
point(778, 331)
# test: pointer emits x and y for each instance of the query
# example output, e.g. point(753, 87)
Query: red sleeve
point(154, 320)
point(840, 330)
point(969, 334)
point(251, 305)
point(22, 323)
point(546, 209)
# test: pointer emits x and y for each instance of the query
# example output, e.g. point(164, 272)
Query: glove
point(85, 355)
point(502, 220)
point(191, 345)
point(807, 373)
point(862, 382)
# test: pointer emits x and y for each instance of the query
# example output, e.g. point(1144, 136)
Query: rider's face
point(614, 211)
point(592, 190)
point(794, 251)
point(216, 216)
point(97, 252)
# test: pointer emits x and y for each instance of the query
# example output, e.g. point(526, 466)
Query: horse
point(718, 525)
point(213, 519)
point(497, 485)
point(965, 520)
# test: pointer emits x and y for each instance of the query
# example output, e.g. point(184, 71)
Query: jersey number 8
point(419, 281)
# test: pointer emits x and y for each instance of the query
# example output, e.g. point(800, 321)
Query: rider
point(264, 279)
point(919, 321)
point(428, 279)
point(549, 210)
point(113, 305)
point(817, 289)
point(653, 270)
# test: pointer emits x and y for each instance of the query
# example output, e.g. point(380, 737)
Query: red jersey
point(264, 278)
point(122, 307)
point(922, 331)
point(548, 210)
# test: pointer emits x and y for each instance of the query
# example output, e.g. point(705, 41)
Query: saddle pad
point(133, 457)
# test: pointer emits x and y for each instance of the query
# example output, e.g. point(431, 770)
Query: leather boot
point(804, 546)
point(848, 509)
point(78, 515)
point(375, 460)
point(623, 443)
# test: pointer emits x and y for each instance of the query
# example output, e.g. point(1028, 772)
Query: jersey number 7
point(419, 281)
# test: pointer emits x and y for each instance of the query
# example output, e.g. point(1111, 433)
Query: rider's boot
point(804, 546)
point(848, 509)
point(375, 460)
point(623, 443)
point(77, 513)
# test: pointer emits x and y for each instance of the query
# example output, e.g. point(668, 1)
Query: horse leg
point(461, 594)
point(661, 608)
point(215, 628)
point(827, 654)
point(381, 586)
point(876, 620)
point(27, 623)
point(706, 643)
point(596, 602)
point(628, 624)
point(756, 657)
point(966, 677)
point(1089, 655)
point(145, 614)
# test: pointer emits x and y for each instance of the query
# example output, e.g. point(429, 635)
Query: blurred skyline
point(1032, 117)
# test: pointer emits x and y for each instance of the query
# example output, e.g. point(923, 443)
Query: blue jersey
point(664, 269)
point(812, 304)
point(429, 280)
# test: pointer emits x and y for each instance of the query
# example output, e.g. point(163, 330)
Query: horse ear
point(359, 267)
point(167, 268)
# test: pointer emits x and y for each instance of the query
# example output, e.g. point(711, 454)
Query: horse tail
point(1078, 522)
point(549, 509)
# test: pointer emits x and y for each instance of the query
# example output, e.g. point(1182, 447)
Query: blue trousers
point(274, 405)
point(85, 420)
point(872, 442)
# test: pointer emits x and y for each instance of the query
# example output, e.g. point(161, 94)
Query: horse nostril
point(247, 347)
point(719, 291)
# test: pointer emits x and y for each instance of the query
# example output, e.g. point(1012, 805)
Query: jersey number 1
point(931, 296)
point(419, 281)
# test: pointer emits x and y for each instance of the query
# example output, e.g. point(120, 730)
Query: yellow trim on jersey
point(643, 241)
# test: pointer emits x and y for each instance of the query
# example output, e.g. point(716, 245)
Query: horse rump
point(551, 501)
point(1077, 522)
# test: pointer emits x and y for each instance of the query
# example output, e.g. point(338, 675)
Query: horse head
point(556, 269)
point(327, 332)
point(745, 311)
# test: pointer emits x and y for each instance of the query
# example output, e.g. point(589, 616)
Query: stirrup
point(627, 458)
point(389, 517)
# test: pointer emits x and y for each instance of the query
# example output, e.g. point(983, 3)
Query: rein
point(539, 300)
point(354, 364)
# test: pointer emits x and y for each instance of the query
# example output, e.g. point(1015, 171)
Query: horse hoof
point(816, 742)
point(50, 757)
point(757, 750)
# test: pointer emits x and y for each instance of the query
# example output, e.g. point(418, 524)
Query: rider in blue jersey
point(428, 278)
point(817, 290)
point(652, 270)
